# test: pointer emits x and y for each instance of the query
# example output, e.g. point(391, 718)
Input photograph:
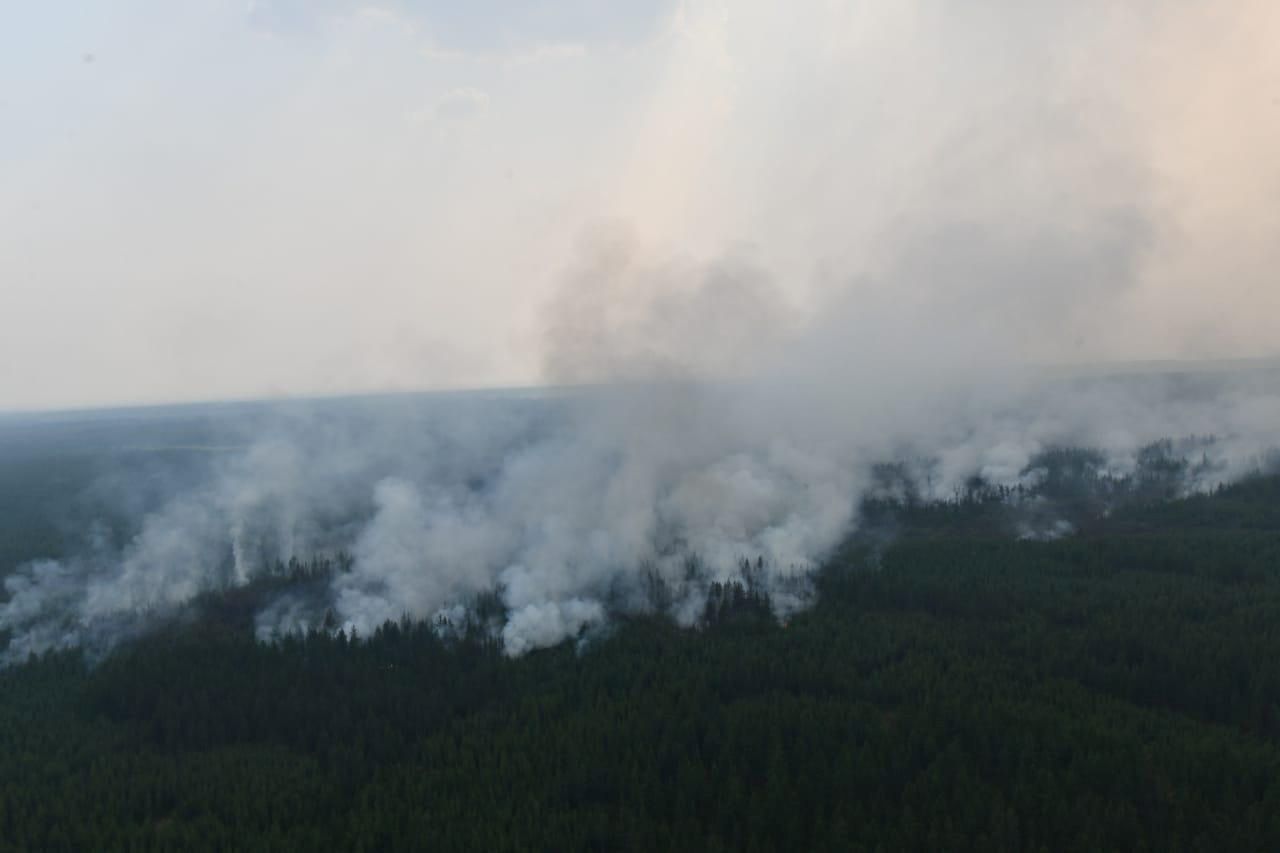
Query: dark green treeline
point(1118, 689)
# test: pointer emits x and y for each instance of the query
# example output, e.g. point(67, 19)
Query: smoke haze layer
point(800, 244)
point(348, 196)
point(570, 505)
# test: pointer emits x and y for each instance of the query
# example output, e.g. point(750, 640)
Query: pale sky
point(210, 199)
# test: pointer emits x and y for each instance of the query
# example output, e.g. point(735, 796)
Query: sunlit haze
point(206, 199)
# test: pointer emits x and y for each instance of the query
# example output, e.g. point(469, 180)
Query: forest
point(954, 687)
point(632, 427)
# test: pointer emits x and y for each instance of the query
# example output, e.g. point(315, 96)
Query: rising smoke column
point(837, 238)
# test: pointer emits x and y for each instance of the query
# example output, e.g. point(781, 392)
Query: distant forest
point(955, 687)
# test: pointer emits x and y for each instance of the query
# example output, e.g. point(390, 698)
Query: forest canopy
point(954, 687)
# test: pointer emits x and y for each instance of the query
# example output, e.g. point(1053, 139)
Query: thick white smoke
point(569, 504)
point(854, 231)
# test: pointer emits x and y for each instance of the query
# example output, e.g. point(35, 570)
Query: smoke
point(954, 204)
point(567, 506)
point(621, 316)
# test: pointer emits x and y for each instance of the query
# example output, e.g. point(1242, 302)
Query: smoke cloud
point(571, 505)
point(857, 234)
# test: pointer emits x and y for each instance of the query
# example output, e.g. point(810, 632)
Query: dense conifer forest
point(953, 688)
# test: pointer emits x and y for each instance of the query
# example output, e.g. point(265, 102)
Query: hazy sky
point(208, 199)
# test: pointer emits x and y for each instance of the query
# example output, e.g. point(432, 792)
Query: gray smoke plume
point(1005, 209)
point(570, 504)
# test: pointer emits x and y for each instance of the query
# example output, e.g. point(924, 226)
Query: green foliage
point(1112, 690)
